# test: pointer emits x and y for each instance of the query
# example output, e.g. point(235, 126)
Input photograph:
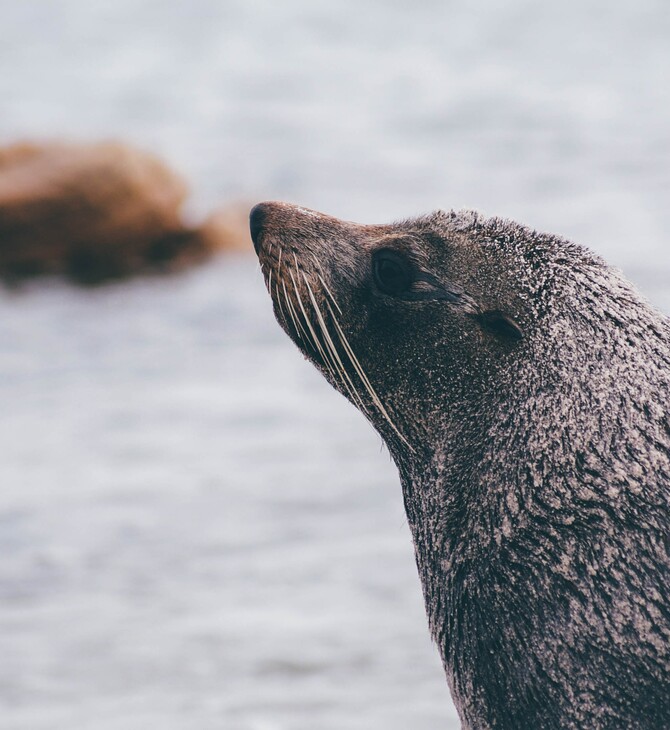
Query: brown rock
point(227, 229)
point(94, 212)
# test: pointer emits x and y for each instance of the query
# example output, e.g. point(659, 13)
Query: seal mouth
point(300, 305)
point(299, 316)
point(301, 299)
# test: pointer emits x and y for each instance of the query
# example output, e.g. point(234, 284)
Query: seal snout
point(257, 220)
point(276, 218)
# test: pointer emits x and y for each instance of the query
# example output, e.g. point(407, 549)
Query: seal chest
point(523, 389)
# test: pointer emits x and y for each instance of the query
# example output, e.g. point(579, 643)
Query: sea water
point(196, 531)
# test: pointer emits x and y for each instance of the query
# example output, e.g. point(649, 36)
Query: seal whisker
point(341, 371)
point(278, 298)
point(295, 319)
point(279, 262)
point(316, 261)
point(330, 294)
point(295, 315)
point(291, 312)
point(361, 374)
point(297, 296)
point(329, 355)
point(332, 368)
point(351, 388)
point(323, 282)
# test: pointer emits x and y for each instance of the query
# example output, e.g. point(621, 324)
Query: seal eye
point(392, 272)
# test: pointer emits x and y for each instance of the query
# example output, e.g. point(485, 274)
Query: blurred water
point(195, 531)
point(556, 114)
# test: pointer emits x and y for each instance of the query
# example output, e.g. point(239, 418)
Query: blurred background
point(195, 530)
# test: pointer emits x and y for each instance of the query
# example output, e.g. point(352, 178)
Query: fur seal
point(523, 389)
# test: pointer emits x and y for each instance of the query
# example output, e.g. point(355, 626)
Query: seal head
point(523, 389)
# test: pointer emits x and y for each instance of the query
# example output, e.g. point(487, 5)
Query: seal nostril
point(257, 218)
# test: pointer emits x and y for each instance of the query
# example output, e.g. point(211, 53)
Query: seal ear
point(500, 324)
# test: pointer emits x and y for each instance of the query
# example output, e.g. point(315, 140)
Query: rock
point(94, 212)
point(228, 229)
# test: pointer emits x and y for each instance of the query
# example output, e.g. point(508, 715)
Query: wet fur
point(532, 436)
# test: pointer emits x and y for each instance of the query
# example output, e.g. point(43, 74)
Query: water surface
point(195, 530)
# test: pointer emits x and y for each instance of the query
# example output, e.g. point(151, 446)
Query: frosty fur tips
point(523, 389)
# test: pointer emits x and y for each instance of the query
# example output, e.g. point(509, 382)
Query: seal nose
point(257, 217)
